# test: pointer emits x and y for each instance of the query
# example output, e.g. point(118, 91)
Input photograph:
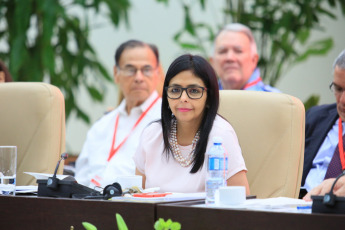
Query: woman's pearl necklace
point(184, 162)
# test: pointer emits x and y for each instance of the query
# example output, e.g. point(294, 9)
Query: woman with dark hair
point(172, 152)
point(5, 75)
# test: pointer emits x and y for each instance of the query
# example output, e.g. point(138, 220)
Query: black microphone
point(329, 203)
point(52, 182)
point(329, 198)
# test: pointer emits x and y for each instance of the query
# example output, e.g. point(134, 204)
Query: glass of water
point(8, 168)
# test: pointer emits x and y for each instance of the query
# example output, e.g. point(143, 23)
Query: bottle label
point(213, 163)
point(217, 163)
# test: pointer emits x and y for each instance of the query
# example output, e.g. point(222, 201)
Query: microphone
point(52, 182)
point(329, 203)
point(67, 187)
point(329, 198)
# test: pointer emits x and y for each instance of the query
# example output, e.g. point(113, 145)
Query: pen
point(151, 194)
point(304, 207)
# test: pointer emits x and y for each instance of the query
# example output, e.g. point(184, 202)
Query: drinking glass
point(8, 168)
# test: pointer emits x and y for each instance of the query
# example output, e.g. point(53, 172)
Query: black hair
point(202, 69)
point(134, 44)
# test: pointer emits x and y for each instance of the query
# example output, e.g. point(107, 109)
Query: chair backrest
point(32, 117)
point(270, 129)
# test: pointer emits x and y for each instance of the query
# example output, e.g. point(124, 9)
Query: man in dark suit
point(321, 134)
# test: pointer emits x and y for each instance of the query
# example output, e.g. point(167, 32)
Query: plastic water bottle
point(217, 167)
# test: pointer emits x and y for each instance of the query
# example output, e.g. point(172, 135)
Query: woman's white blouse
point(168, 174)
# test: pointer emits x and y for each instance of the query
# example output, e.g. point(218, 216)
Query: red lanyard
point(340, 145)
point(250, 84)
point(113, 150)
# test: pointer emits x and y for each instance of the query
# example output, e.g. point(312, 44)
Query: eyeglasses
point(130, 71)
point(336, 89)
point(193, 92)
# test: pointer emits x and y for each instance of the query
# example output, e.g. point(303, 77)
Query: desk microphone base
point(65, 188)
point(319, 206)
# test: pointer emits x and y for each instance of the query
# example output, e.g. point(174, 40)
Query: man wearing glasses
point(112, 141)
point(324, 133)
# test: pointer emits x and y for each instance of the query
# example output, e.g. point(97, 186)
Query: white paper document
point(278, 204)
point(45, 176)
point(26, 189)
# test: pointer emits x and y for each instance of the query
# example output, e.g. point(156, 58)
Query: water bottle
point(217, 167)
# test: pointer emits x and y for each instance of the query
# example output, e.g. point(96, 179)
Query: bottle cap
point(217, 140)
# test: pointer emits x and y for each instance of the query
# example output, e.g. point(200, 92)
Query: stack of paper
point(26, 189)
point(279, 204)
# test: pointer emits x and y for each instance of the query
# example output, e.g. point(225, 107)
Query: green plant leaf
point(189, 46)
point(95, 93)
point(120, 222)
point(88, 226)
point(188, 26)
point(303, 35)
point(156, 226)
point(327, 12)
point(163, 1)
point(320, 47)
point(202, 3)
point(311, 101)
point(175, 226)
point(168, 223)
point(160, 224)
point(81, 114)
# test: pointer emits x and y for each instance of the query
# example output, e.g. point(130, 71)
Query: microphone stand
point(53, 182)
point(67, 187)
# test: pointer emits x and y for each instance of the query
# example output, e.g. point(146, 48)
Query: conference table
point(28, 212)
point(24, 212)
point(192, 216)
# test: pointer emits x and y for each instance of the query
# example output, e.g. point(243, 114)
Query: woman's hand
point(141, 174)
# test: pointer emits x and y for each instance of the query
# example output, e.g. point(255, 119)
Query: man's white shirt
point(92, 161)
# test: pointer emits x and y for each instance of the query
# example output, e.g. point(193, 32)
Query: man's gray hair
point(340, 61)
point(238, 27)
